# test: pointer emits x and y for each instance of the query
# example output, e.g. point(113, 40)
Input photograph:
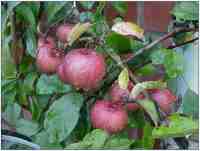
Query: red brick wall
point(155, 16)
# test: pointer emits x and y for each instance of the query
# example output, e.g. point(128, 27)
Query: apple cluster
point(84, 68)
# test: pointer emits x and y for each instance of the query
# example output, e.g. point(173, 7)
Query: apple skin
point(63, 31)
point(48, 41)
point(109, 116)
point(48, 59)
point(164, 97)
point(119, 94)
point(83, 68)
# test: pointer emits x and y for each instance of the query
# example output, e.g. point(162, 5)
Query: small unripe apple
point(109, 116)
point(48, 59)
point(165, 98)
point(83, 68)
point(63, 32)
point(119, 94)
point(46, 41)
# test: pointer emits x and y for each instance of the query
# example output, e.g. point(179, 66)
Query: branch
point(184, 43)
point(166, 36)
point(122, 65)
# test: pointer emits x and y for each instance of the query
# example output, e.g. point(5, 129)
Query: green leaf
point(148, 69)
point(87, 4)
point(79, 145)
point(6, 12)
point(147, 139)
point(52, 8)
point(118, 42)
point(186, 11)
point(123, 79)
point(191, 103)
point(25, 13)
point(22, 96)
point(12, 113)
point(35, 108)
point(172, 61)
point(35, 6)
point(118, 142)
point(139, 87)
point(179, 126)
point(28, 83)
point(150, 108)
point(86, 16)
point(42, 140)
point(120, 6)
point(62, 13)
point(93, 140)
point(31, 44)
point(65, 112)
point(136, 119)
point(128, 29)
point(7, 62)
point(28, 128)
point(42, 100)
point(97, 138)
point(8, 92)
point(51, 84)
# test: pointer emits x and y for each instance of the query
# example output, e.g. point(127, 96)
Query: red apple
point(48, 41)
point(165, 98)
point(63, 32)
point(109, 116)
point(83, 68)
point(119, 94)
point(48, 59)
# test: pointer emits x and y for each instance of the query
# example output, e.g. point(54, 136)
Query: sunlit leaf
point(128, 29)
point(77, 31)
point(178, 126)
point(150, 108)
point(139, 87)
point(123, 79)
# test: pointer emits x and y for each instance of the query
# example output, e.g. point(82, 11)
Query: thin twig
point(122, 65)
point(166, 36)
point(184, 43)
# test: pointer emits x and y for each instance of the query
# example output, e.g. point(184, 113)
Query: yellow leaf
point(128, 29)
point(123, 79)
point(77, 31)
